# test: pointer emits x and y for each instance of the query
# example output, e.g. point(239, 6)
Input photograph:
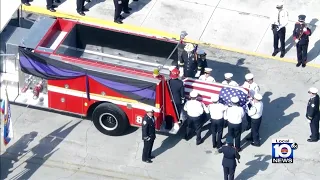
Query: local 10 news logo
point(282, 150)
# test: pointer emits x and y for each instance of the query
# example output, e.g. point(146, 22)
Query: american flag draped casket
point(207, 89)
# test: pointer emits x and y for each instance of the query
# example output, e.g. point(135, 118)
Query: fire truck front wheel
point(109, 119)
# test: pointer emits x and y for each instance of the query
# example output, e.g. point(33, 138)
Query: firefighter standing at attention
point(188, 65)
point(118, 7)
point(148, 135)
point(202, 61)
point(278, 26)
point(177, 89)
point(313, 114)
point(206, 76)
point(228, 80)
point(301, 35)
point(253, 89)
point(195, 110)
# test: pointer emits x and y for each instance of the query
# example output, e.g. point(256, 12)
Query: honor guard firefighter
point(177, 89)
point(234, 115)
point(253, 89)
point(228, 80)
point(216, 111)
point(313, 114)
point(148, 135)
point(202, 61)
point(230, 154)
point(206, 76)
point(278, 26)
point(255, 112)
point(195, 110)
point(301, 35)
point(118, 7)
point(188, 64)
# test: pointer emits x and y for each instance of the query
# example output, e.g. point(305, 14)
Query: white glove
point(198, 74)
point(119, 2)
point(309, 121)
point(279, 27)
point(181, 71)
point(297, 40)
point(305, 29)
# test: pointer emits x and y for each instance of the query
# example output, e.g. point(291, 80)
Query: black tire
point(109, 119)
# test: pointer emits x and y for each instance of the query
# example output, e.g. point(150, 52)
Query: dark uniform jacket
point(190, 65)
point(177, 90)
point(202, 63)
point(148, 128)
point(313, 108)
point(298, 31)
point(229, 156)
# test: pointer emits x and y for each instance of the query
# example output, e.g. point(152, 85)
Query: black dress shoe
point(148, 161)
point(129, 9)
point(118, 22)
point(81, 13)
point(304, 64)
point(51, 9)
point(214, 146)
point(312, 140)
point(199, 142)
point(151, 157)
point(127, 12)
point(239, 150)
point(85, 10)
point(57, 1)
point(121, 17)
point(27, 4)
point(298, 64)
point(275, 52)
point(282, 55)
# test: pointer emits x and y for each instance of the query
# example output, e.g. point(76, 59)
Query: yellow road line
point(148, 31)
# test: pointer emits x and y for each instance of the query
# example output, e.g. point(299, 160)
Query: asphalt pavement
point(53, 146)
point(238, 25)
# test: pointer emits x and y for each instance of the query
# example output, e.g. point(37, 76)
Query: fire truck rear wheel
point(109, 119)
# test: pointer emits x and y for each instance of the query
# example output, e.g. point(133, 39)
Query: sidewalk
point(236, 25)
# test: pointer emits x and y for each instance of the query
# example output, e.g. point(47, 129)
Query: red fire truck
point(101, 73)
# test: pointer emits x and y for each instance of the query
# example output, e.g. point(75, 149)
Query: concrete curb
point(150, 32)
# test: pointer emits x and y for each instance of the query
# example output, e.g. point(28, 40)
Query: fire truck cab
point(104, 74)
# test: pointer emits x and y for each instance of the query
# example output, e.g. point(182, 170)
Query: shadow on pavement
point(274, 116)
point(44, 150)
point(314, 52)
point(93, 3)
point(259, 164)
point(14, 153)
point(136, 6)
point(170, 142)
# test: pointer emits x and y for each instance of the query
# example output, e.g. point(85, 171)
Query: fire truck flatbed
point(98, 72)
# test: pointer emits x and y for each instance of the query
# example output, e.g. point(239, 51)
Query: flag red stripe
point(202, 89)
point(204, 83)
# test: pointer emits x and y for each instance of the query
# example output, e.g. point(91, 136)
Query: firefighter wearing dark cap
point(177, 89)
point(313, 114)
point(202, 62)
point(230, 154)
point(188, 65)
point(301, 35)
point(148, 135)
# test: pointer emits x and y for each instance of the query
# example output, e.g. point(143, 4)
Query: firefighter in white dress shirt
point(216, 111)
point(195, 110)
point(255, 112)
point(234, 115)
point(228, 80)
point(253, 89)
point(206, 76)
